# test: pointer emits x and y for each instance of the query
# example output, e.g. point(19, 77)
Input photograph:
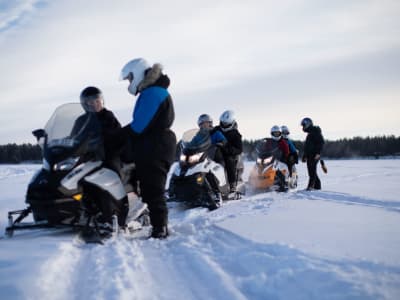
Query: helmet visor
point(225, 125)
point(129, 76)
point(276, 133)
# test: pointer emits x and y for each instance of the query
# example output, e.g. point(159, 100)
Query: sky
point(271, 62)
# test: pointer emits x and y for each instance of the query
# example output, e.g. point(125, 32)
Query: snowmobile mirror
point(39, 133)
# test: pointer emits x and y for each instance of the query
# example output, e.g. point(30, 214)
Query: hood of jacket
point(154, 76)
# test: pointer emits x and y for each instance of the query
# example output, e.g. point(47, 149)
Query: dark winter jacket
point(110, 126)
point(153, 116)
point(278, 149)
point(314, 142)
point(283, 145)
point(101, 124)
point(233, 145)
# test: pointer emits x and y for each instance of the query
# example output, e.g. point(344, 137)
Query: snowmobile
point(74, 188)
point(269, 173)
point(197, 180)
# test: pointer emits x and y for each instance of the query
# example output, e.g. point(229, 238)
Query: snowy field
point(339, 243)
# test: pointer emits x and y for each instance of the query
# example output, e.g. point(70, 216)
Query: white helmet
point(227, 120)
point(134, 71)
point(276, 133)
point(285, 131)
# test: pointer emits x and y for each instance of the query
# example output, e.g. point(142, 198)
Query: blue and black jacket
point(152, 118)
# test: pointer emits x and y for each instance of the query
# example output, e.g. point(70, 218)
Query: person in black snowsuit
point(153, 142)
point(102, 119)
point(98, 126)
point(312, 152)
point(232, 148)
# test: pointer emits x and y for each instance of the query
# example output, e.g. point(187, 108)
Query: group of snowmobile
point(76, 189)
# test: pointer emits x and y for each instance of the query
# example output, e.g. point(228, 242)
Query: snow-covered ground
point(339, 243)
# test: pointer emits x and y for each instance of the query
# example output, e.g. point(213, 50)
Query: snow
point(342, 242)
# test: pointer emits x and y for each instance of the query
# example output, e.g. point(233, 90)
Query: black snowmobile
point(197, 180)
point(74, 188)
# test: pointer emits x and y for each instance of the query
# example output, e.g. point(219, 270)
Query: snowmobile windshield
point(196, 140)
point(267, 147)
point(70, 125)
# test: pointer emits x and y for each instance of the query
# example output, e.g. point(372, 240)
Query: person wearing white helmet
point(233, 146)
point(153, 142)
point(293, 157)
point(276, 135)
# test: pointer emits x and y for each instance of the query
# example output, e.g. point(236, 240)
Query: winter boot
point(159, 232)
point(213, 201)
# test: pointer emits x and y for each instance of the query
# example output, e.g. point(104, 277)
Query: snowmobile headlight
point(66, 165)
point(77, 197)
point(182, 158)
point(267, 160)
point(195, 157)
point(259, 160)
point(199, 179)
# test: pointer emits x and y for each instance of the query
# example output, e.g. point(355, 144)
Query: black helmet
point(306, 123)
point(90, 93)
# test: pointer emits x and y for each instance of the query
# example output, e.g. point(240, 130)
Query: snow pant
point(152, 176)
point(231, 170)
point(215, 153)
point(314, 182)
point(153, 156)
point(291, 161)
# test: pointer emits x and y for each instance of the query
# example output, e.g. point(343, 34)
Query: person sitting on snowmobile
point(232, 148)
point(276, 135)
point(101, 123)
point(218, 140)
point(293, 157)
point(92, 102)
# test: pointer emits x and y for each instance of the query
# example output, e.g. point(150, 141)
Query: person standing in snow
point(153, 143)
point(232, 148)
point(312, 152)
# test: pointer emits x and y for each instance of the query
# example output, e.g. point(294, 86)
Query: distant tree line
point(14, 154)
point(346, 148)
point(343, 148)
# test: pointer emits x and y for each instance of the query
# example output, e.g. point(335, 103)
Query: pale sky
point(271, 62)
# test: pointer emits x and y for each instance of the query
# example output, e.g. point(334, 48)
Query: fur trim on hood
point(152, 75)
